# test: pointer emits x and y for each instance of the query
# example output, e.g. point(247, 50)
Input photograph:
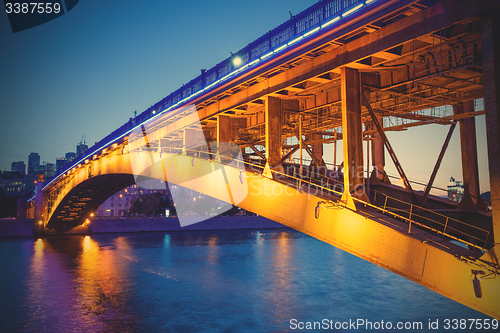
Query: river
point(274, 280)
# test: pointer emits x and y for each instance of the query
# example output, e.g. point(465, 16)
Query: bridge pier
point(41, 204)
point(352, 134)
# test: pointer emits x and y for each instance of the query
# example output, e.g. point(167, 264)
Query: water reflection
point(282, 297)
point(73, 283)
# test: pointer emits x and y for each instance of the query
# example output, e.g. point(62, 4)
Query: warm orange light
point(87, 220)
point(86, 161)
point(91, 214)
point(40, 222)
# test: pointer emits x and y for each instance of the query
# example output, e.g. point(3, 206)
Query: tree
point(151, 204)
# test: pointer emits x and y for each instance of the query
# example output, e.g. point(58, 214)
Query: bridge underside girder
point(83, 199)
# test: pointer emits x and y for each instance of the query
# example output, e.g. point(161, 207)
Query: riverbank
point(28, 228)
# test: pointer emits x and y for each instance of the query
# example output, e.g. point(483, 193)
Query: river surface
point(274, 280)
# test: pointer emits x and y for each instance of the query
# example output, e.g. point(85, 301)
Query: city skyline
point(87, 72)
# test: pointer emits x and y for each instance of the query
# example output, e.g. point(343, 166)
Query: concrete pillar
point(468, 147)
point(273, 132)
point(490, 44)
point(352, 134)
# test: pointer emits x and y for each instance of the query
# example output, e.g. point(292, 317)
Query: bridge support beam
point(223, 133)
point(471, 198)
point(317, 148)
point(378, 154)
point(223, 129)
point(352, 135)
point(190, 139)
point(490, 41)
point(273, 132)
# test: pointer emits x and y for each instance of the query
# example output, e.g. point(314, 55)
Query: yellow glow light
point(40, 222)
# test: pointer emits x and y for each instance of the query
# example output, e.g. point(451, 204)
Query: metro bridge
point(243, 130)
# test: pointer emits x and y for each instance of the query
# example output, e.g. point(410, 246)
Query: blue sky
point(86, 72)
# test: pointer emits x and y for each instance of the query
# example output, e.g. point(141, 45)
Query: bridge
point(250, 131)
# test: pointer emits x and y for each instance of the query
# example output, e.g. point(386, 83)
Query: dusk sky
point(86, 72)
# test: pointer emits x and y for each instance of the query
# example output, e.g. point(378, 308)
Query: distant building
point(60, 164)
point(120, 203)
point(81, 148)
point(12, 183)
point(18, 167)
point(70, 157)
point(33, 163)
point(455, 190)
point(15, 183)
point(48, 169)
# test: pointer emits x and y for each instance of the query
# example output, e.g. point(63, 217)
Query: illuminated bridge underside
point(404, 56)
point(419, 256)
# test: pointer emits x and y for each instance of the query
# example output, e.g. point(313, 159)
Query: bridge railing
point(306, 179)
